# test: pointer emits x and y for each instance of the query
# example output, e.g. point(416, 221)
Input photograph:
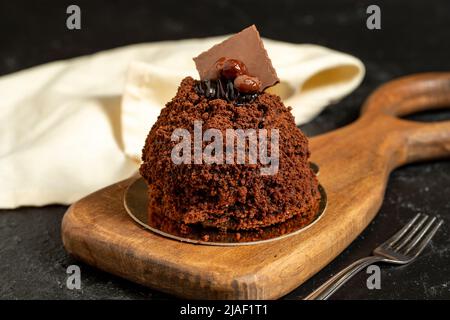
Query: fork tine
point(419, 248)
point(420, 235)
point(411, 233)
point(392, 240)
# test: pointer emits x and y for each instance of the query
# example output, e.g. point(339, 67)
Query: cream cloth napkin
point(68, 128)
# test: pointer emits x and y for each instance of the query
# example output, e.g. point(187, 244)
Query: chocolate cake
point(229, 197)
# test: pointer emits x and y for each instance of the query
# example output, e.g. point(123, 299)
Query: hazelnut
point(247, 84)
point(233, 68)
point(214, 72)
point(219, 64)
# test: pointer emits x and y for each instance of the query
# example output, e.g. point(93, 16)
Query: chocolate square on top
point(245, 46)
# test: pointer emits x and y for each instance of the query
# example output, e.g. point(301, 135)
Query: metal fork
point(402, 248)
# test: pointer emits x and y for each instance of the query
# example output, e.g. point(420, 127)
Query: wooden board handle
point(419, 141)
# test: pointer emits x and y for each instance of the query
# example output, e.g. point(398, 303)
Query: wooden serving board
point(355, 162)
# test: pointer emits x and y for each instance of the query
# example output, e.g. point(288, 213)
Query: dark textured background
point(414, 38)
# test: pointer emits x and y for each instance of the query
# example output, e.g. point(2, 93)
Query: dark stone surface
point(414, 38)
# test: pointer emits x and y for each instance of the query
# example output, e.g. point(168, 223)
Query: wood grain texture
point(355, 162)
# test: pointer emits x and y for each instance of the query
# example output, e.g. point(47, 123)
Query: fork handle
point(339, 279)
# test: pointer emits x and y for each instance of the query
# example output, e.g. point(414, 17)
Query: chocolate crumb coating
point(227, 196)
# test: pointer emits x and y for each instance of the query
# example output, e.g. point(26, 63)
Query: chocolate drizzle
point(223, 89)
